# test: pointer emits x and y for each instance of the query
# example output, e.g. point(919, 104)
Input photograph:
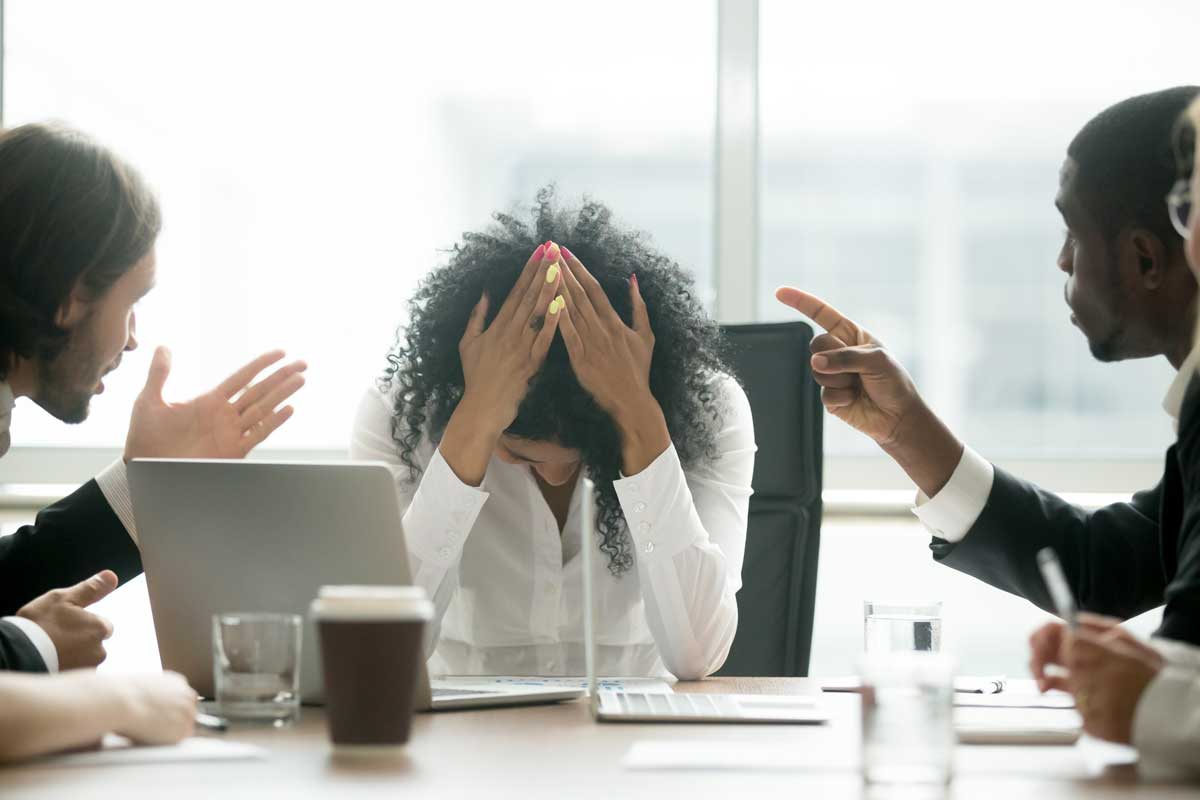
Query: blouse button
point(444, 552)
point(634, 488)
point(644, 527)
point(649, 547)
point(639, 507)
point(452, 535)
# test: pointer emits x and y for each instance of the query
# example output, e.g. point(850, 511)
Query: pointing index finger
point(824, 315)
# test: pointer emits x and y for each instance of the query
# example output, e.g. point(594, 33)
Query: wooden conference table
point(559, 752)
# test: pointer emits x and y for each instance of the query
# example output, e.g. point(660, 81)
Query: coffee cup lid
point(372, 602)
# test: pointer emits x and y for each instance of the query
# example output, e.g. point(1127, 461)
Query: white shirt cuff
point(40, 639)
point(442, 514)
point(1165, 729)
point(114, 485)
point(1177, 654)
point(651, 501)
point(952, 512)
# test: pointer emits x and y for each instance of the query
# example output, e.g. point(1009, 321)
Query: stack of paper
point(118, 751)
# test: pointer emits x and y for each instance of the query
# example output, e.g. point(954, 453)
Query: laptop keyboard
point(677, 705)
point(440, 693)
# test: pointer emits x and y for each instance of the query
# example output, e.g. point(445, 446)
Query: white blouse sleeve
point(1166, 725)
point(689, 537)
point(438, 509)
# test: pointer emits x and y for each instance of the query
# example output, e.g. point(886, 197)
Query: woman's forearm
point(644, 435)
point(42, 714)
point(469, 440)
point(691, 615)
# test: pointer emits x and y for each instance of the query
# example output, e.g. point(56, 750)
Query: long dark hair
point(425, 372)
point(72, 215)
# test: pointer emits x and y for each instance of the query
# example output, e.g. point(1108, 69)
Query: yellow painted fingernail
point(552, 273)
point(556, 305)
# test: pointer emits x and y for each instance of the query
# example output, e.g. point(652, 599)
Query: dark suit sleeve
point(1111, 556)
point(17, 652)
point(1181, 617)
point(69, 541)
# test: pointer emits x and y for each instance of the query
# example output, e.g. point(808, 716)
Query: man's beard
point(66, 381)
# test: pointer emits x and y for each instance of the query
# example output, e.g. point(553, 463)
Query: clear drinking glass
point(256, 666)
point(908, 719)
point(898, 627)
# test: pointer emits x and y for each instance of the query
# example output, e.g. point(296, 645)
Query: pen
point(1060, 590)
point(211, 722)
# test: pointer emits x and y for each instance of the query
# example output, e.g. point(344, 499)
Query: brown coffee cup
point(371, 643)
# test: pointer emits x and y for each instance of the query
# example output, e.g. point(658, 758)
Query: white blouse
point(507, 586)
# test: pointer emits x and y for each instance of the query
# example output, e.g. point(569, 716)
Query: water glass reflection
point(256, 666)
point(907, 719)
point(896, 627)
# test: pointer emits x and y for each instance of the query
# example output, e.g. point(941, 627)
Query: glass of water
point(256, 666)
point(908, 719)
point(896, 627)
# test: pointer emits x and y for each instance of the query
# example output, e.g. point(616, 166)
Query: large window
point(313, 159)
point(910, 162)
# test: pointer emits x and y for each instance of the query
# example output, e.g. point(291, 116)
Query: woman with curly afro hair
point(544, 350)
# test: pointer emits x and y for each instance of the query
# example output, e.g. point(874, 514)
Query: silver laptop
point(610, 705)
point(229, 536)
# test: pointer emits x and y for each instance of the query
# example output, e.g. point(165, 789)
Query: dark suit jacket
point(68, 542)
point(1120, 560)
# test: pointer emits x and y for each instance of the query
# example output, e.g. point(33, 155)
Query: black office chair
point(779, 575)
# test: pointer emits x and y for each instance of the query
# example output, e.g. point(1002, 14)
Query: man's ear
point(1150, 255)
point(73, 310)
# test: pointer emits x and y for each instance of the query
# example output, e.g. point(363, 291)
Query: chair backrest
point(779, 575)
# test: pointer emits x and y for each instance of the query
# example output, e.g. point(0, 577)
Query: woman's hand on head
point(612, 361)
point(500, 359)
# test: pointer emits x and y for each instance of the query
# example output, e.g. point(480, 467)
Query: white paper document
point(660, 754)
point(644, 685)
point(964, 684)
point(1017, 725)
point(1015, 700)
point(118, 751)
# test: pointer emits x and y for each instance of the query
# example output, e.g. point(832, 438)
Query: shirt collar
point(1173, 402)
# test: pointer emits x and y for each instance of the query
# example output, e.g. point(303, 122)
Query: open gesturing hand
point(226, 422)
